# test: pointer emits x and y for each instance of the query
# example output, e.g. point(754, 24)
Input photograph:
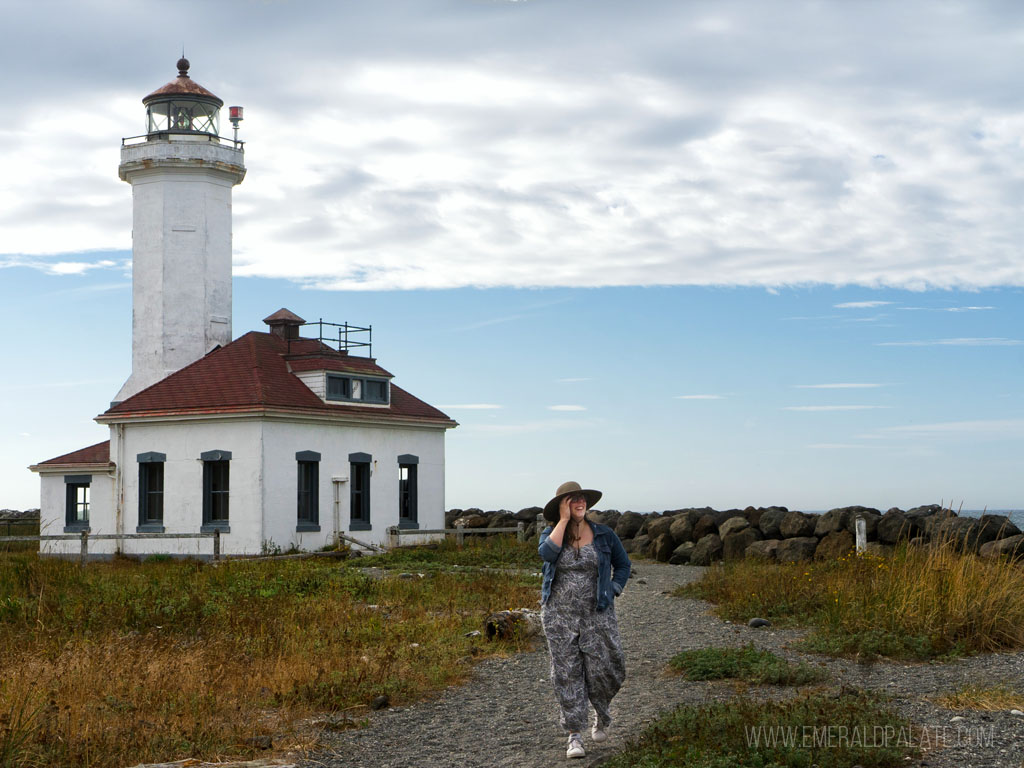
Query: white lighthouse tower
point(181, 174)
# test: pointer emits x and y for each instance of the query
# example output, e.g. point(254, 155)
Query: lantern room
point(183, 106)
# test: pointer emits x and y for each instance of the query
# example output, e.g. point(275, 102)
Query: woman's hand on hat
point(564, 510)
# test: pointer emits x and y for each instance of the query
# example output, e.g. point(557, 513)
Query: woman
point(585, 569)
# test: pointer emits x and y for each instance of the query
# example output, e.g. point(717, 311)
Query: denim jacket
point(612, 564)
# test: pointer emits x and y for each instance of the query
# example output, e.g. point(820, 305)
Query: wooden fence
point(85, 537)
point(395, 533)
point(6, 523)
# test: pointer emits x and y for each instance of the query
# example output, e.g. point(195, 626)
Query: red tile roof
point(94, 454)
point(251, 375)
point(343, 363)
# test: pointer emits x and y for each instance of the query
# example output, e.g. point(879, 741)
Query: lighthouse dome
point(182, 106)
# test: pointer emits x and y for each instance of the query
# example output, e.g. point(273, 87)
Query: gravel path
point(506, 716)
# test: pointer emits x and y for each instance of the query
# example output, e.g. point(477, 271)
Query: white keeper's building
point(277, 439)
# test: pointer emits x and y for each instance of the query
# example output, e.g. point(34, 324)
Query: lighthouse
point(286, 437)
point(182, 173)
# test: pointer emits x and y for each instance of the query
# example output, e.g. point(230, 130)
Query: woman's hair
point(572, 532)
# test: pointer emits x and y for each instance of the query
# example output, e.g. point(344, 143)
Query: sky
point(721, 253)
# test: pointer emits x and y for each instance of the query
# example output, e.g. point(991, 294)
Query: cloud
point(528, 427)
point(57, 266)
point(567, 408)
point(963, 342)
point(833, 407)
point(426, 146)
point(471, 407)
point(699, 397)
point(838, 386)
point(861, 304)
point(987, 429)
point(945, 309)
point(836, 446)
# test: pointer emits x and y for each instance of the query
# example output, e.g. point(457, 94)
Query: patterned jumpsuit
point(586, 656)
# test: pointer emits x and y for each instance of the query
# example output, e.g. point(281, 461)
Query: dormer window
point(359, 389)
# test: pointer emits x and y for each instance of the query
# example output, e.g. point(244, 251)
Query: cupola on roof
point(182, 85)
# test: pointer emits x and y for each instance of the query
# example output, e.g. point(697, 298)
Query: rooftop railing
point(193, 136)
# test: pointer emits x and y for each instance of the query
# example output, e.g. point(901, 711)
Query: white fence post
point(862, 534)
point(460, 536)
point(392, 537)
point(83, 556)
point(520, 531)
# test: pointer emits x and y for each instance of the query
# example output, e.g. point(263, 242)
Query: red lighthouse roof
point(183, 85)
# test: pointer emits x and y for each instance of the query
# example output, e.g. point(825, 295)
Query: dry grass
point(992, 698)
point(921, 603)
point(115, 664)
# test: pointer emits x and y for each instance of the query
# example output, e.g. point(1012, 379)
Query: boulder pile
point(700, 536)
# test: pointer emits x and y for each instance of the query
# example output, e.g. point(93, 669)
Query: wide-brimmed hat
point(565, 489)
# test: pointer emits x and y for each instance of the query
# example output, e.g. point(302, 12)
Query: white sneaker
point(575, 746)
point(599, 732)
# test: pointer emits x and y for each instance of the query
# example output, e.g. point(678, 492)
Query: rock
point(756, 622)
point(725, 514)
point(471, 521)
point(834, 545)
point(996, 527)
point(380, 703)
point(1012, 547)
point(662, 547)
point(871, 518)
point(878, 549)
point(637, 545)
point(796, 549)
point(734, 545)
point(753, 515)
point(682, 527)
point(957, 719)
point(1017, 713)
point(796, 524)
point(609, 517)
point(705, 524)
point(681, 554)
point(707, 550)
point(932, 524)
point(919, 512)
point(762, 550)
point(833, 520)
point(732, 525)
point(513, 625)
point(502, 520)
point(961, 532)
point(894, 526)
point(451, 516)
point(770, 520)
point(656, 526)
point(528, 514)
point(629, 525)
